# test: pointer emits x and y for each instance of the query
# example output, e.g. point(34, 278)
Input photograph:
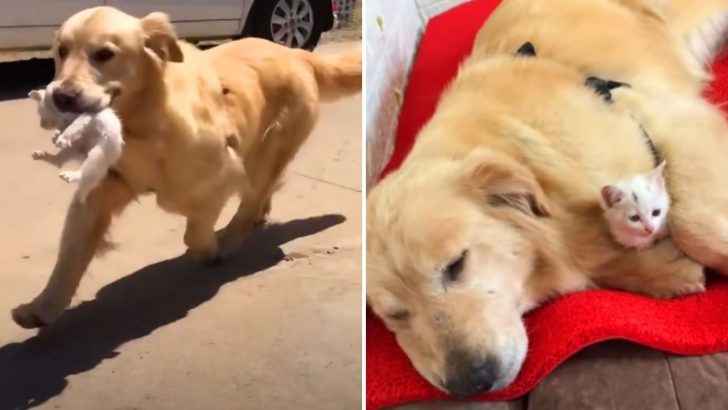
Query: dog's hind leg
point(200, 236)
point(83, 234)
point(266, 165)
point(692, 136)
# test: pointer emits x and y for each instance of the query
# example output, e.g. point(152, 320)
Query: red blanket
point(691, 325)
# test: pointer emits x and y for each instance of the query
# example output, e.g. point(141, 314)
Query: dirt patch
point(346, 30)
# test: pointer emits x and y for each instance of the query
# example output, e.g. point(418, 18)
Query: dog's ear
point(501, 181)
point(36, 95)
point(160, 38)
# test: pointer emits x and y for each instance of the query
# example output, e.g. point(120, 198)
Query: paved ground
point(277, 328)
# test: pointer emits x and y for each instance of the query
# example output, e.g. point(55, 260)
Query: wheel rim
point(292, 22)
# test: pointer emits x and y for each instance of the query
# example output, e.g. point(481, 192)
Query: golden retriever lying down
point(496, 209)
point(199, 127)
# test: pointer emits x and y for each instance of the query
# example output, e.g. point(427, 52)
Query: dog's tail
point(703, 25)
point(339, 75)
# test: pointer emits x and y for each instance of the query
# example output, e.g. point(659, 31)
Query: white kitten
point(636, 208)
point(97, 135)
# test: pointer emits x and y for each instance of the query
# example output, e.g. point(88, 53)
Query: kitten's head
point(50, 117)
point(638, 206)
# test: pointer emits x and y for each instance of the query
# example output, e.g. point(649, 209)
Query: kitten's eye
point(656, 212)
point(452, 271)
point(62, 52)
point(102, 55)
point(634, 218)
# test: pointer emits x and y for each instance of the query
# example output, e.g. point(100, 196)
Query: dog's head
point(450, 248)
point(102, 52)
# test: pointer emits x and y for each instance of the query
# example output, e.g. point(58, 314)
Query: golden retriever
point(496, 209)
point(199, 126)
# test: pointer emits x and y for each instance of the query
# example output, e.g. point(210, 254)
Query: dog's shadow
point(36, 370)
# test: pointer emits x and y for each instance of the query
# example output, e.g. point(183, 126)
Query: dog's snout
point(468, 376)
point(66, 99)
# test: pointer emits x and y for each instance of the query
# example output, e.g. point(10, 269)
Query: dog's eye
point(103, 55)
point(62, 52)
point(399, 316)
point(454, 268)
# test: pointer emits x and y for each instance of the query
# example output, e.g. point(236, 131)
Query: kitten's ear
point(659, 173)
point(36, 95)
point(611, 195)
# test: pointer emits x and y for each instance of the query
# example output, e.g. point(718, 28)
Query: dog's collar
point(604, 89)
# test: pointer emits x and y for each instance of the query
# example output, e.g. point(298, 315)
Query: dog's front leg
point(692, 136)
point(83, 233)
point(661, 271)
point(200, 236)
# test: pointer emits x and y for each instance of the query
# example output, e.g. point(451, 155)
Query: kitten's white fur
point(640, 196)
point(97, 135)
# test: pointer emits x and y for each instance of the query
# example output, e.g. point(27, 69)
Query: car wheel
point(293, 23)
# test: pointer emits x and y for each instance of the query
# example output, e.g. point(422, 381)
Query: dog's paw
point(212, 261)
point(207, 260)
point(685, 278)
point(70, 176)
point(39, 154)
point(28, 317)
point(689, 288)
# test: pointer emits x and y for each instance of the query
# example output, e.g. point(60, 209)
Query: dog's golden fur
point(199, 126)
point(508, 172)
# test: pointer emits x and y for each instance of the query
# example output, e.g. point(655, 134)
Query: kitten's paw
point(70, 176)
point(55, 136)
point(63, 142)
point(39, 154)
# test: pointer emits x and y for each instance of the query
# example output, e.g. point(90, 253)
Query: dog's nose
point(66, 99)
point(468, 379)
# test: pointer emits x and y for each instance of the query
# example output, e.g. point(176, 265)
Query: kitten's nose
point(649, 229)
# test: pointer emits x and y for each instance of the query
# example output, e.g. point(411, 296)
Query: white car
point(30, 24)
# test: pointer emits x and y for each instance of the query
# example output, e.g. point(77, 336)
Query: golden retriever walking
point(496, 209)
point(198, 126)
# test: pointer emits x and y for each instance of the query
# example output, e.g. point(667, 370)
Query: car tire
point(275, 20)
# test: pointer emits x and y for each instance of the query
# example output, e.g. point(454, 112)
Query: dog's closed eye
point(399, 315)
point(102, 55)
point(453, 269)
